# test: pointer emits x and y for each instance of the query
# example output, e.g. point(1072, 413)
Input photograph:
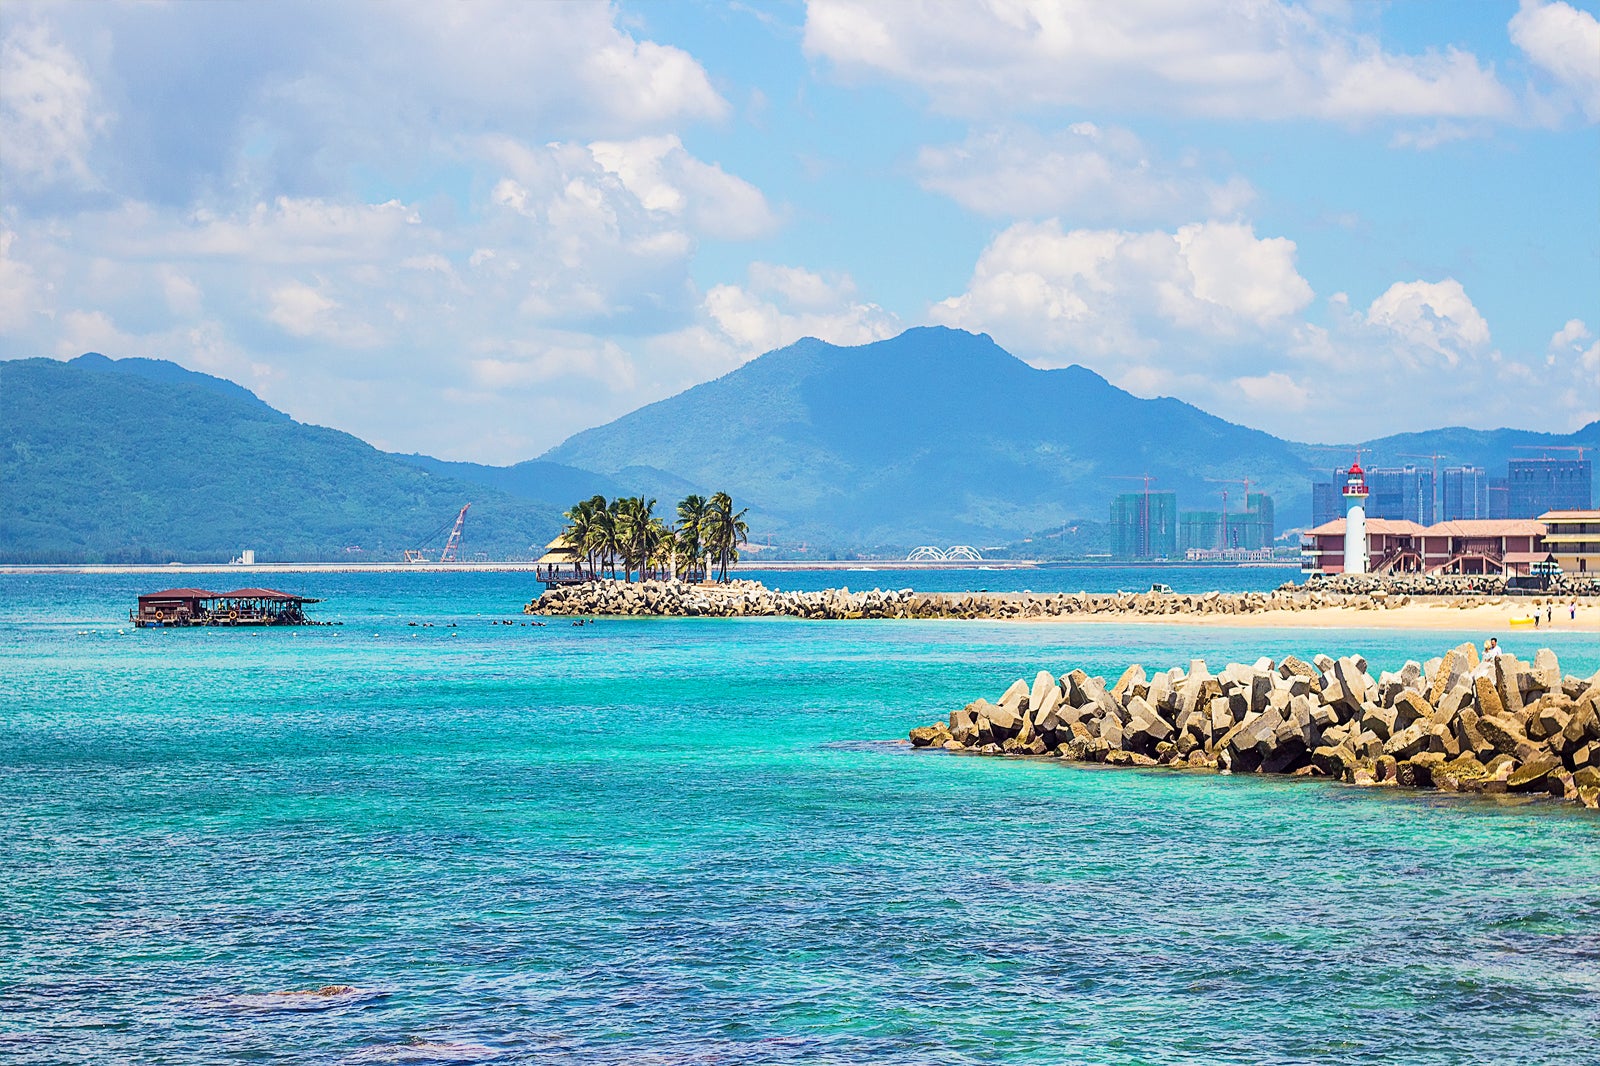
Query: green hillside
point(140, 460)
point(941, 436)
point(935, 435)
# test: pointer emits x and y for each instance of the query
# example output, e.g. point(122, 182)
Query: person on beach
point(1572, 611)
point(1547, 610)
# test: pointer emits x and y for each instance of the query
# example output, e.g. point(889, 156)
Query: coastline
point(1283, 608)
point(1446, 616)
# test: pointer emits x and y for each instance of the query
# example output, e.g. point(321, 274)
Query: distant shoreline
point(528, 566)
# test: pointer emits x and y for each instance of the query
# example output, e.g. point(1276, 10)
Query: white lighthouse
point(1355, 520)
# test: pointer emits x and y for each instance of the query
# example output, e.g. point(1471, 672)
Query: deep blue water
point(698, 841)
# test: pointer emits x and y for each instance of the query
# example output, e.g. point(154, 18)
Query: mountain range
point(139, 460)
point(934, 436)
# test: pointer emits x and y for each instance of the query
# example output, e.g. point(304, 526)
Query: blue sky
point(473, 229)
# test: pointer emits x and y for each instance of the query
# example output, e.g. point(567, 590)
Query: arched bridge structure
point(959, 553)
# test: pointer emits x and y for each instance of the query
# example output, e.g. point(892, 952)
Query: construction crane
point(1579, 448)
point(1230, 481)
point(452, 546)
point(1145, 522)
point(1436, 456)
point(451, 553)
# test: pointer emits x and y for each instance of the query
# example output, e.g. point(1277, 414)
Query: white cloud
point(1112, 293)
point(1275, 389)
point(305, 311)
point(667, 179)
point(1216, 315)
point(1087, 172)
point(1435, 317)
point(1574, 350)
point(1570, 336)
point(20, 294)
point(1565, 43)
point(1263, 60)
point(779, 305)
point(49, 115)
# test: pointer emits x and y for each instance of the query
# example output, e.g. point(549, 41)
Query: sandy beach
point(1490, 619)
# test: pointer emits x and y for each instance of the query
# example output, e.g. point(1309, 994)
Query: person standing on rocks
point(1491, 648)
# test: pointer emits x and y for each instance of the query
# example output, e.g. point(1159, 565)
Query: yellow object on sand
point(1524, 621)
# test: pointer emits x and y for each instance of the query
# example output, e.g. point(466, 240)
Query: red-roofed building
point(1475, 546)
point(1392, 547)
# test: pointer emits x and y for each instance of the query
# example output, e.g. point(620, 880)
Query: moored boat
point(202, 607)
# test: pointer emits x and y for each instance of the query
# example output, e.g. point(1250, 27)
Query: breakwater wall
point(752, 599)
point(1454, 723)
point(1561, 586)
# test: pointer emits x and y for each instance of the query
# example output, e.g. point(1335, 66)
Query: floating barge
point(202, 607)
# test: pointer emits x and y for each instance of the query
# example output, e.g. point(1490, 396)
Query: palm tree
point(725, 530)
point(583, 525)
point(635, 516)
point(661, 547)
point(690, 543)
point(605, 534)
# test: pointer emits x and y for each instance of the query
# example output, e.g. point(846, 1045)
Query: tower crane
point(1579, 448)
point(1230, 481)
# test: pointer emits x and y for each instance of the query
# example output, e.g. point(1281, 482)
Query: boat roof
point(236, 594)
point(262, 594)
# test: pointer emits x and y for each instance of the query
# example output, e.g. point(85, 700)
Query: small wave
point(419, 1050)
point(325, 998)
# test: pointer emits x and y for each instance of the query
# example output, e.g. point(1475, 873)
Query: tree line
point(626, 533)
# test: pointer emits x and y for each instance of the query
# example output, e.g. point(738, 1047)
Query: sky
point(473, 229)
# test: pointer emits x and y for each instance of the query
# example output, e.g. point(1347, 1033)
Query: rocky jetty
point(752, 599)
point(1455, 723)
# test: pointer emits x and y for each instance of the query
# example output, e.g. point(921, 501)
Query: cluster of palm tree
point(626, 534)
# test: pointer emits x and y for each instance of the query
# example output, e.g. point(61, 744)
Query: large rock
point(1409, 707)
point(1335, 760)
point(1047, 712)
point(1546, 670)
point(1502, 732)
point(1488, 696)
point(1531, 776)
point(1043, 682)
point(1015, 695)
point(1133, 677)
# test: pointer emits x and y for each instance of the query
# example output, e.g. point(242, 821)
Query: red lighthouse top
point(1355, 483)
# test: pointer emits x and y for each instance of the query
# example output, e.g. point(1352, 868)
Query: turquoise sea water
point(687, 841)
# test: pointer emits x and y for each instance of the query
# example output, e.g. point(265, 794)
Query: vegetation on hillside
point(626, 533)
point(97, 466)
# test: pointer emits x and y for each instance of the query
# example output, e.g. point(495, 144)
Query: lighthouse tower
point(1355, 520)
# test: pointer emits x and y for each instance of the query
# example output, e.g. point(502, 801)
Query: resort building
point(1484, 546)
point(1392, 546)
point(561, 564)
point(1573, 540)
point(1467, 546)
